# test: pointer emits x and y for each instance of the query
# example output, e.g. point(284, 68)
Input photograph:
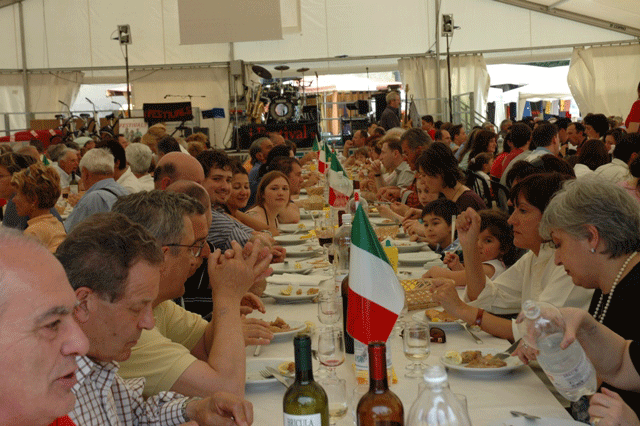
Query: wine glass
point(324, 230)
point(415, 344)
point(329, 308)
point(331, 349)
point(322, 371)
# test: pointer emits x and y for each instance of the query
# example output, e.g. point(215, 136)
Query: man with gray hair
point(183, 352)
point(390, 117)
point(67, 164)
point(115, 289)
point(39, 339)
point(139, 157)
point(96, 170)
point(258, 151)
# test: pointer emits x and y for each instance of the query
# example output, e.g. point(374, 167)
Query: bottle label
point(304, 420)
point(575, 378)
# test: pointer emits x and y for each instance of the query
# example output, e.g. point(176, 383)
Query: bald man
point(176, 166)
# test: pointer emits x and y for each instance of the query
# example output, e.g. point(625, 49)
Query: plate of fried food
point(282, 329)
point(294, 227)
point(437, 318)
point(255, 380)
point(291, 293)
point(406, 246)
point(480, 363)
point(291, 239)
point(305, 250)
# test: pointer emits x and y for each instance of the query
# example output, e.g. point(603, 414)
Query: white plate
point(418, 258)
point(254, 365)
point(544, 421)
point(512, 363)
point(406, 246)
point(382, 221)
point(435, 262)
point(303, 251)
point(291, 239)
point(446, 326)
point(300, 228)
point(291, 267)
point(274, 291)
point(296, 327)
point(304, 214)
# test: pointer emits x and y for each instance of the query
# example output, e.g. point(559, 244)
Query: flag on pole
point(324, 158)
point(340, 187)
point(316, 147)
point(376, 297)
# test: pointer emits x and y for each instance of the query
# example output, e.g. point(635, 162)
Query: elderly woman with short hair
point(595, 226)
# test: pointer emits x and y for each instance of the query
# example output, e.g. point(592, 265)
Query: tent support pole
point(25, 78)
point(438, 76)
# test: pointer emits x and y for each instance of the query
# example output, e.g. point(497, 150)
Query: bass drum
point(281, 109)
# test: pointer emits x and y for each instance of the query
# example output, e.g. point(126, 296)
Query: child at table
point(495, 244)
point(436, 222)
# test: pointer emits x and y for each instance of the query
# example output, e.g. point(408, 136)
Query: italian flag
point(340, 187)
point(316, 146)
point(376, 297)
point(324, 158)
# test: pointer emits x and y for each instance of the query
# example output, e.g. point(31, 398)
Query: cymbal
point(282, 67)
point(261, 72)
point(302, 70)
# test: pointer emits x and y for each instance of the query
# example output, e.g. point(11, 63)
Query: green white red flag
point(324, 158)
point(340, 186)
point(376, 297)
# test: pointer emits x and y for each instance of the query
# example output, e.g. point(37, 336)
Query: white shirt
point(615, 171)
point(65, 178)
point(129, 181)
point(531, 277)
point(146, 182)
point(581, 170)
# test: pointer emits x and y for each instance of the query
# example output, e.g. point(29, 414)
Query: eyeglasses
point(195, 250)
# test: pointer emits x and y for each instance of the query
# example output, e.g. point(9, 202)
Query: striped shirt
point(224, 229)
point(104, 398)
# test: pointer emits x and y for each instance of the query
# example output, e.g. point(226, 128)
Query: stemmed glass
point(331, 349)
point(329, 308)
point(415, 344)
point(324, 231)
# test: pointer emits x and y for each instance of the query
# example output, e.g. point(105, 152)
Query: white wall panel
point(10, 46)
point(67, 34)
point(33, 11)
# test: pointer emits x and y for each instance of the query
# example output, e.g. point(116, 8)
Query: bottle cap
point(435, 375)
point(387, 243)
point(530, 309)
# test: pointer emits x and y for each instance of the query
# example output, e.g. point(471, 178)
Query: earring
point(593, 250)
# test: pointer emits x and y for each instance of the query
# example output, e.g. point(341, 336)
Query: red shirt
point(513, 154)
point(634, 114)
point(63, 421)
point(497, 169)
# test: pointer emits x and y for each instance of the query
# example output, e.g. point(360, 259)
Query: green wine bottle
point(305, 403)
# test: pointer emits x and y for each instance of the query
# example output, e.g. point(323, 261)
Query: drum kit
point(280, 102)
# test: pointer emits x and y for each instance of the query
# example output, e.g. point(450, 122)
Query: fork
point(268, 375)
point(466, 327)
point(507, 352)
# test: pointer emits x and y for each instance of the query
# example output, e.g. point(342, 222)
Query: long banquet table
point(489, 399)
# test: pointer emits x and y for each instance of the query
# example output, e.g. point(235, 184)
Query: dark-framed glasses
point(195, 250)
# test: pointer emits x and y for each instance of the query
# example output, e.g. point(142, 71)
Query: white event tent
point(51, 47)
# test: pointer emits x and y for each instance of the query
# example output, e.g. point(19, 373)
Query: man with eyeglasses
point(183, 352)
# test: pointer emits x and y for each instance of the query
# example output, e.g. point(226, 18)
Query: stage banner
point(302, 134)
point(132, 127)
point(170, 111)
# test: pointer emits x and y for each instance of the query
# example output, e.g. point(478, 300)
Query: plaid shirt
point(410, 196)
point(104, 398)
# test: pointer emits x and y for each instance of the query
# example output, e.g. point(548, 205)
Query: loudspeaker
point(363, 107)
point(236, 68)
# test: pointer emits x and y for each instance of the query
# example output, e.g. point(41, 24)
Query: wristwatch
point(183, 407)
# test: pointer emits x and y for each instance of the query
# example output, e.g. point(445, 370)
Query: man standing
point(115, 290)
point(67, 164)
point(576, 136)
point(258, 151)
point(96, 170)
point(183, 352)
point(39, 340)
point(390, 117)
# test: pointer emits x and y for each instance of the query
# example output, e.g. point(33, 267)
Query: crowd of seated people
point(199, 225)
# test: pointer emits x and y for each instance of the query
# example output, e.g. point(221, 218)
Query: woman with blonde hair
point(38, 190)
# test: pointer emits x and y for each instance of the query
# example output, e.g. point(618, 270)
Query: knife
point(279, 377)
point(507, 353)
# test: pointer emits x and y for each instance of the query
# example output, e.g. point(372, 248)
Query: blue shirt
point(98, 199)
point(224, 229)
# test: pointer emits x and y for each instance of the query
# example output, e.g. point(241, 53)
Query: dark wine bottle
point(348, 340)
point(379, 406)
point(305, 402)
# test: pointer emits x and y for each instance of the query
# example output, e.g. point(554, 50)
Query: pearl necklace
point(613, 287)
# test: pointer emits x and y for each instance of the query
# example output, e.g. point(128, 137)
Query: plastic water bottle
point(436, 405)
point(569, 370)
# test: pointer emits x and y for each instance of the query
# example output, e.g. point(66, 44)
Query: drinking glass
point(321, 371)
point(329, 308)
point(324, 230)
point(336, 390)
point(331, 349)
point(415, 344)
